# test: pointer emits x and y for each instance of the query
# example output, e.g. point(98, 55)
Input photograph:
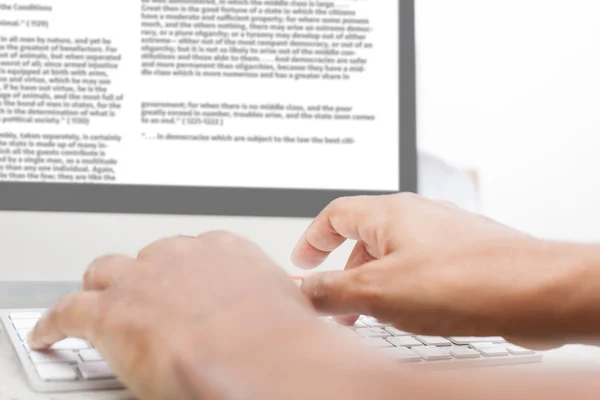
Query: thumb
point(339, 292)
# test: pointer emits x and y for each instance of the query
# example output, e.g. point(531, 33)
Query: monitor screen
point(230, 107)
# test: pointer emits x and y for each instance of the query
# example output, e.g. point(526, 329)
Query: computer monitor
point(126, 122)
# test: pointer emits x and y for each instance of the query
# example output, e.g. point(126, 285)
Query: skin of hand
point(213, 318)
point(431, 268)
point(185, 307)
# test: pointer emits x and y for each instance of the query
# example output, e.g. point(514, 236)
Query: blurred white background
point(512, 88)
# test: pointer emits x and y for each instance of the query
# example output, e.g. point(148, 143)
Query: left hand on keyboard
point(181, 298)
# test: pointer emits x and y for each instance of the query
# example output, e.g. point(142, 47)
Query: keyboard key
point(401, 354)
point(23, 334)
point(396, 332)
point(95, 370)
point(372, 332)
point(70, 344)
point(404, 341)
point(519, 351)
point(26, 315)
point(24, 323)
point(432, 353)
point(376, 342)
point(494, 351)
point(480, 346)
point(373, 323)
point(77, 360)
point(464, 352)
point(56, 372)
point(90, 355)
point(466, 340)
point(358, 324)
point(433, 340)
point(53, 357)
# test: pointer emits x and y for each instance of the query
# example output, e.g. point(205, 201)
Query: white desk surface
point(14, 387)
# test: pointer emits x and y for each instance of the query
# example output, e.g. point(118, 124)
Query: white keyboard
point(71, 364)
point(436, 351)
point(74, 365)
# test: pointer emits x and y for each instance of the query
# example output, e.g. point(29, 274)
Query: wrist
point(274, 360)
point(233, 355)
point(564, 302)
point(577, 303)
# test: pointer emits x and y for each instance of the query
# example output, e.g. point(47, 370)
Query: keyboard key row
point(23, 334)
point(433, 340)
point(379, 338)
point(464, 353)
point(26, 323)
point(357, 324)
point(66, 344)
point(482, 345)
point(401, 354)
point(96, 370)
point(494, 351)
point(429, 354)
point(90, 355)
point(396, 332)
point(432, 353)
point(372, 332)
point(373, 322)
point(404, 341)
point(54, 357)
point(437, 353)
point(56, 372)
point(404, 337)
point(371, 327)
point(519, 351)
point(465, 340)
point(64, 356)
point(25, 315)
point(70, 344)
point(67, 372)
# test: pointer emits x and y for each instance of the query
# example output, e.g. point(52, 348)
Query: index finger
point(73, 315)
point(344, 218)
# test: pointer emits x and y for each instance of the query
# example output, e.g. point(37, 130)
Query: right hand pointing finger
point(343, 293)
point(346, 218)
point(430, 268)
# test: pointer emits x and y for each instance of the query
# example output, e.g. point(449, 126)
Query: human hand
point(183, 302)
point(431, 268)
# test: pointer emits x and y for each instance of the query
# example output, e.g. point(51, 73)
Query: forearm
point(565, 304)
point(290, 355)
point(310, 366)
point(318, 365)
point(296, 358)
